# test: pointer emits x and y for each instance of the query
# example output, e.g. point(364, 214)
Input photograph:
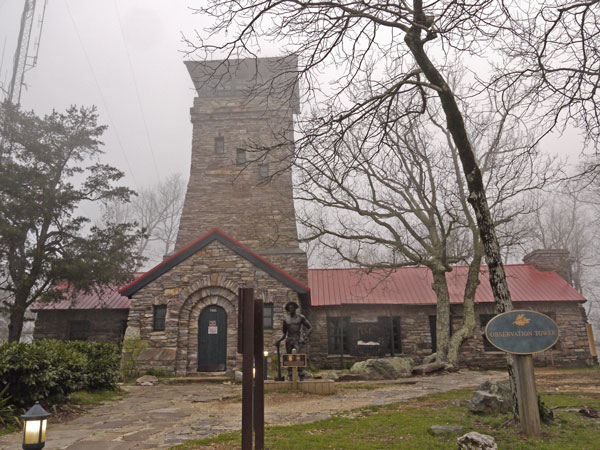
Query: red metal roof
point(412, 286)
point(107, 297)
point(404, 286)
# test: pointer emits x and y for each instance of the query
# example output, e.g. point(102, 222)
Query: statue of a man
point(296, 330)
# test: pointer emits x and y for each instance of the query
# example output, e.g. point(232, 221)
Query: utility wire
point(137, 92)
point(104, 103)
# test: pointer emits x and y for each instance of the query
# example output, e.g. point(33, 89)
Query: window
point(240, 156)
point(390, 326)
point(433, 332)
point(160, 313)
point(78, 330)
point(483, 320)
point(219, 145)
point(268, 316)
point(338, 335)
point(263, 170)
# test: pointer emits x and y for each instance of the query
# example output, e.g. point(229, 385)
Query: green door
point(212, 339)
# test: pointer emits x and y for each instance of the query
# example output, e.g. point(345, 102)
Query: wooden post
point(529, 412)
point(294, 374)
point(247, 305)
point(259, 383)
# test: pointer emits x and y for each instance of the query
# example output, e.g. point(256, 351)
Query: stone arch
point(215, 290)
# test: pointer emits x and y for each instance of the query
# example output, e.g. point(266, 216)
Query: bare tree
point(156, 211)
point(405, 47)
point(396, 203)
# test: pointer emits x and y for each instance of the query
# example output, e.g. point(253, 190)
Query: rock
point(147, 380)
point(427, 368)
point(500, 388)
point(437, 430)
point(331, 376)
point(476, 441)
point(237, 376)
point(383, 368)
point(482, 402)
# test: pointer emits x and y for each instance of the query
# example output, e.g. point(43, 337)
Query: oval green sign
point(522, 332)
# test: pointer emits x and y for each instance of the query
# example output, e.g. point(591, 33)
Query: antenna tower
point(23, 61)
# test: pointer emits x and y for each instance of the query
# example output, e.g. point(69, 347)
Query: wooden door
point(212, 339)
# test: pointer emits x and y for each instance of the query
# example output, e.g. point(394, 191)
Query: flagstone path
point(165, 415)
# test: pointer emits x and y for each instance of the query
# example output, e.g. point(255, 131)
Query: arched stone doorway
point(212, 339)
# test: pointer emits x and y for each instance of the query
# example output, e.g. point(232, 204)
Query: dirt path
point(164, 415)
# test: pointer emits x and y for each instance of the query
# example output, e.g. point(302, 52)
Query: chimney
point(557, 260)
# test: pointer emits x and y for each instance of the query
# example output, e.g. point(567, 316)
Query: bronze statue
point(296, 330)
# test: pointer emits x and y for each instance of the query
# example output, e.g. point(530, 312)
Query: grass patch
point(95, 397)
point(404, 426)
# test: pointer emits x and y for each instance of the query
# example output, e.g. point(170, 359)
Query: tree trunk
point(477, 197)
point(466, 331)
point(442, 322)
point(15, 324)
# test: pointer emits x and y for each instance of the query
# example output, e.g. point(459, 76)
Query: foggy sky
point(109, 53)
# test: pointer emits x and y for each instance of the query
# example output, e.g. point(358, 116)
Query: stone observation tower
point(242, 108)
point(238, 226)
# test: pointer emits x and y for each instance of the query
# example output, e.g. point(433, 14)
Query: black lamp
point(34, 427)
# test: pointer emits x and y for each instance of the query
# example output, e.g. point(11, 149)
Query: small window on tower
point(240, 157)
point(219, 145)
point(268, 316)
point(263, 170)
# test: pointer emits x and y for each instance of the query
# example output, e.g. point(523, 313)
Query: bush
point(48, 371)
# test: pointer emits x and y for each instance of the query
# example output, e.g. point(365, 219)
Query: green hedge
point(48, 371)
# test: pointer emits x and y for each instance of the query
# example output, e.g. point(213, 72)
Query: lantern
point(266, 364)
point(34, 427)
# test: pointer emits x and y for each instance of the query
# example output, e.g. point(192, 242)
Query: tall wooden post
point(529, 412)
point(247, 309)
point(259, 383)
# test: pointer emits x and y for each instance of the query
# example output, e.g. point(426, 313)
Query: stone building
point(238, 229)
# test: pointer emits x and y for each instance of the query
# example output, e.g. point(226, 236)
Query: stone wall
point(210, 276)
point(572, 348)
point(105, 325)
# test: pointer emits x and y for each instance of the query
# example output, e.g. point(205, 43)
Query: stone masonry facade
point(572, 348)
point(211, 276)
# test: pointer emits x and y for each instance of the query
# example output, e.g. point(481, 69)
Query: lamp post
point(34, 427)
point(266, 355)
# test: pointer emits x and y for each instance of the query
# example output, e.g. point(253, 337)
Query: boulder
point(383, 368)
point(477, 441)
point(499, 388)
point(482, 402)
point(437, 430)
point(147, 380)
point(350, 377)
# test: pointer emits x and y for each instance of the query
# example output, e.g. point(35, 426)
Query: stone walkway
point(164, 415)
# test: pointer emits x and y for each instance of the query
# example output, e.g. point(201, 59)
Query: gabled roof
point(214, 235)
point(412, 286)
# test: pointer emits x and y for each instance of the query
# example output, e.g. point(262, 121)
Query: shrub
point(48, 371)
